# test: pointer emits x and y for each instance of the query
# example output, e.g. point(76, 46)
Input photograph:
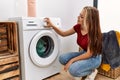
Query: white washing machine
point(39, 48)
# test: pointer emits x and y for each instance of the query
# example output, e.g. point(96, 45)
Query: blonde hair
point(92, 22)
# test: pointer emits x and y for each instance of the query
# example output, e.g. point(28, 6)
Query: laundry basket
point(112, 73)
point(9, 60)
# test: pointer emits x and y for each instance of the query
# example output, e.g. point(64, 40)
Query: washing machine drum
point(44, 48)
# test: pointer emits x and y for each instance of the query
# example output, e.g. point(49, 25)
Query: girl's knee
point(62, 60)
point(79, 73)
point(78, 70)
point(73, 71)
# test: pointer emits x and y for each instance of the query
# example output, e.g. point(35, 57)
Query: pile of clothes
point(111, 50)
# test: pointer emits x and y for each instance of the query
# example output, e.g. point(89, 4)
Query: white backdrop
point(12, 8)
point(109, 14)
point(7, 9)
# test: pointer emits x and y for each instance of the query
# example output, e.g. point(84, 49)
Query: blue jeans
point(82, 67)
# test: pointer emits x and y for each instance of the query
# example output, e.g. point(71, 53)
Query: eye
point(81, 16)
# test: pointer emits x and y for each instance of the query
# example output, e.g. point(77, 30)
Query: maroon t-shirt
point(82, 40)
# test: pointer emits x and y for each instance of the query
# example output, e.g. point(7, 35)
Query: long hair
point(92, 22)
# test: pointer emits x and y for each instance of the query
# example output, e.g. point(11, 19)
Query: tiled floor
point(64, 76)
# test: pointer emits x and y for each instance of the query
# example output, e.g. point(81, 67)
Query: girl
point(89, 38)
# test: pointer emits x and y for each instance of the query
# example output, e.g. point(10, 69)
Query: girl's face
point(81, 17)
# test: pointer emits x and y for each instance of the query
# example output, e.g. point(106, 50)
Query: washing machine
point(39, 48)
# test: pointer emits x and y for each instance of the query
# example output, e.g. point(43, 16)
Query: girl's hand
point(68, 65)
point(48, 22)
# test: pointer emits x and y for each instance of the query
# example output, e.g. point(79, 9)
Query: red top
point(82, 40)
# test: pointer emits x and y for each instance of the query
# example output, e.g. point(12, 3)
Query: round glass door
point(44, 48)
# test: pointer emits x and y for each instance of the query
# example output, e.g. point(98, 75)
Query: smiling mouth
point(78, 20)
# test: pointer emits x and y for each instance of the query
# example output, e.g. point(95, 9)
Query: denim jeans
point(82, 67)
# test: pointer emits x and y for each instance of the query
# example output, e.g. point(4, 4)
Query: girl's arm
point(59, 31)
point(86, 55)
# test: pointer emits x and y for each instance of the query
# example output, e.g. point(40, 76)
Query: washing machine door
point(44, 48)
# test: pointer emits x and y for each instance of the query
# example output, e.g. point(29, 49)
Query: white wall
point(7, 9)
point(109, 14)
point(67, 10)
point(12, 8)
point(21, 8)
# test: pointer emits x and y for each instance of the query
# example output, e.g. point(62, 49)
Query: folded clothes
point(118, 37)
point(111, 48)
point(105, 67)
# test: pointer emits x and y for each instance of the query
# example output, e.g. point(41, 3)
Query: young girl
point(89, 38)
